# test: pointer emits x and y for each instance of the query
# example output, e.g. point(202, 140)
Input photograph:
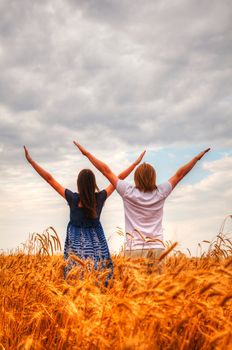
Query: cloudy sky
point(119, 76)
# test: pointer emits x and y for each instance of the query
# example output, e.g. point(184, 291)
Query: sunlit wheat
point(187, 306)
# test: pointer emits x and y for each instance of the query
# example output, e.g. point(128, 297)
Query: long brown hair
point(145, 178)
point(86, 183)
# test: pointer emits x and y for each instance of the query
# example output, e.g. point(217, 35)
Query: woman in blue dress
point(85, 236)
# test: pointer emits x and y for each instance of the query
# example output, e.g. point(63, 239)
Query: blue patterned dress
point(85, 237)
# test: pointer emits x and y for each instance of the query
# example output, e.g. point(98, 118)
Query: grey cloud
point(136, 73)
point(115, 12)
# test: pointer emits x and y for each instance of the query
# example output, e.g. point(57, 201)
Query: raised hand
point(81, 148)
point(184, 170)
point(200, 155)
point(44, 174)
point(138, 160)
point(27, 155)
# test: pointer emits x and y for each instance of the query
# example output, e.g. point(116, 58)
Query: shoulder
point(165, 188)
point(123, 187)
point(102, 195)
point(70, 196)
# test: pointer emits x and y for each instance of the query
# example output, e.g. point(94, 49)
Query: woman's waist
point(84, 223)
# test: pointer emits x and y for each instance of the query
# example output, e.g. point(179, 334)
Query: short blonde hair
point(145, 178)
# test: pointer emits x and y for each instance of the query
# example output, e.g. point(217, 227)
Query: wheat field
point(186, 306)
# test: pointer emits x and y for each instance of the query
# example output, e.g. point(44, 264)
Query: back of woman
point(85, 236)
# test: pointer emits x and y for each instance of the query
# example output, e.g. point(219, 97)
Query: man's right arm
point(184, 170)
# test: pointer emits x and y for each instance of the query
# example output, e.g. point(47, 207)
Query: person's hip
point(153, 253)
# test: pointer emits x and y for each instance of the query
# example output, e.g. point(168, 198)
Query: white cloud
point(196, 211)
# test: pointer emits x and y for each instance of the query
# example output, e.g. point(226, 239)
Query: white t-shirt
point(143, 212)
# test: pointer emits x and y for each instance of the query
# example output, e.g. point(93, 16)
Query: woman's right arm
point(44, 174)
point(184, 170)
point(104, 168)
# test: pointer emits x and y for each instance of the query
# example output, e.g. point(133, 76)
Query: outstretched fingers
point(26, 152)
point(81, 148)
point(138, 160)
point(203, 153)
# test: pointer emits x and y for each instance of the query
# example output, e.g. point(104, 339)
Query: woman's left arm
point(104, 168)
point(44, 174)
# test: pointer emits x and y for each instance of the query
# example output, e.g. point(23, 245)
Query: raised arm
point(186, 169)
point(104, 168)
point(110, 189)
point(44, 174)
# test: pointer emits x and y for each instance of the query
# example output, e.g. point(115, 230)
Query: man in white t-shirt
point(143, 204)
point(143, 216)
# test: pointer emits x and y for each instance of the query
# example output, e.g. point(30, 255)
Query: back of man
point(143, 215)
